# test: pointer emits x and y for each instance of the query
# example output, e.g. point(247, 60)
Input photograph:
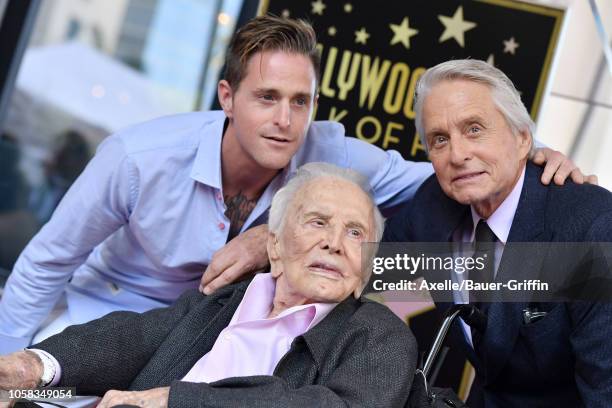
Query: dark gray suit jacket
point(563, 360)
point(361, 354)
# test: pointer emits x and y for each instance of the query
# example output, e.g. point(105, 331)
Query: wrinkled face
point(317, 255)
point(270, 111)
point(476, 157)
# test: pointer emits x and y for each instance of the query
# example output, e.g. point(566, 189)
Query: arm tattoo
point(238, 210)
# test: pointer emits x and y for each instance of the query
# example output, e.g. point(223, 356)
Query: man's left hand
point(560, 167)
point(153, 398)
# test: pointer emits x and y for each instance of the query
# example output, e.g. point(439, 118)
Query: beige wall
point(569, 109)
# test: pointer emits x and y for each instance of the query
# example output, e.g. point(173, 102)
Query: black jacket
point(359, 355)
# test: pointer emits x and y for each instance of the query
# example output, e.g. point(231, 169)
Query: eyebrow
point(350, 224)
point(465, 121)
point(316, 214)
point(356, 224)
point(472, 119)
point(273, 91)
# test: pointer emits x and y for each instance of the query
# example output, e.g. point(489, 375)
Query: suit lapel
point(441, 217)
point(528, 225)
point(206, 338)
point(319, 338)
point(192, 338)
point(449, 215)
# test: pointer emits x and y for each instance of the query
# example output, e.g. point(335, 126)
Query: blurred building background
point(89, 68)
point(86, 68)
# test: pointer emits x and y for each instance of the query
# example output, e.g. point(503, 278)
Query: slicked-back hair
point(270, 33)
point(505, 96)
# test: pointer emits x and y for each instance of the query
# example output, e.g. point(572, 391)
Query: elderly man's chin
point(471, 195)
point(329, 290)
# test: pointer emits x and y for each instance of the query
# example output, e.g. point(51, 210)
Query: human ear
point(525, 141)
point(226, 95)
point(274, 255)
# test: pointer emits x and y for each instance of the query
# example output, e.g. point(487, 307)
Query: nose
point(283, 115)
point(460, 151)
point(332, 240)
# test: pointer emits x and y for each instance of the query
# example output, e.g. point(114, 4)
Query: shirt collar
point(257, 303)
point(207, 165)
point(500, 221)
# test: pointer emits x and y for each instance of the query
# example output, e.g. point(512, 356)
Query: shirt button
point(221, 226)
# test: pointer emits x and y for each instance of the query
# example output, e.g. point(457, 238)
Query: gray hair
point(312, 171)
point(504, 94)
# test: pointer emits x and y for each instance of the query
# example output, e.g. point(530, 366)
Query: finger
point(539, 157)
point(565, 167)
point(577, 176)
point(563, 172)
point(228, 276)
point(548, 173)
point(591, 179)
point(220, 262)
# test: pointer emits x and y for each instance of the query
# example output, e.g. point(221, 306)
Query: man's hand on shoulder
point(243, 255)
point(153, 398)
point(559, 166)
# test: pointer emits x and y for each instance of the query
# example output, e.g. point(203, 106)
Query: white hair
point(504, 94)
point(313, 171)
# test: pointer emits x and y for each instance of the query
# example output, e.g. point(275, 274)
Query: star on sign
point(510, 46)
point(361, 36)
point(402, 33)
point(348, 7)
point(455, 27)
point(285, 13)
point(331, 31)
point(317, 7)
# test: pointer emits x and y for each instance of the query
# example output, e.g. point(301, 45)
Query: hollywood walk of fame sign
point(374, 52)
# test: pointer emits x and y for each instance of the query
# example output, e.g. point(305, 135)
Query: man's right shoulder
point(183, 130)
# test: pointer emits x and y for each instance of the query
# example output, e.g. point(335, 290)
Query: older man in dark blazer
point(479, 137)
point(300, 336)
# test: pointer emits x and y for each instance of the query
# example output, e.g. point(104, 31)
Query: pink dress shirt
point(252, 343)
